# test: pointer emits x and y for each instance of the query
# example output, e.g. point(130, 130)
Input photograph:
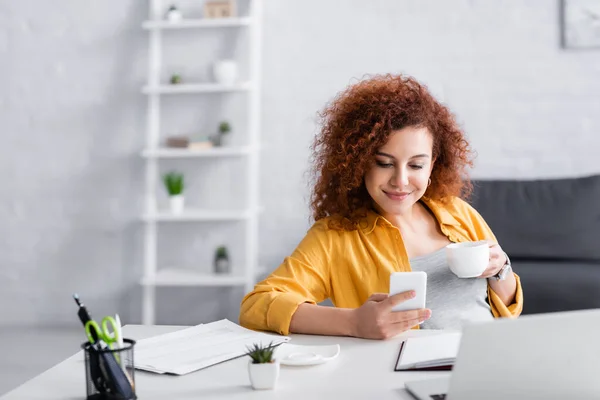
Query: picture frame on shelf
point(580, 24)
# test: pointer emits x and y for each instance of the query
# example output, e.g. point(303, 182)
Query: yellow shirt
point(349, 266)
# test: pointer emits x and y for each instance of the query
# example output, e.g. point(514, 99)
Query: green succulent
point(175, 79)
point(224, 127)
point(261, 354)
point(174, 183)
point(222, 252)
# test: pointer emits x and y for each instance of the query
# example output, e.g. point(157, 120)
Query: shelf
point(185, 277)
point(199, 215)
point(196, 88)
point(198, 23)
point(240, 217)
point(167, 152)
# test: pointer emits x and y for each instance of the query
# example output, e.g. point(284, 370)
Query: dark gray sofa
point(551, 231)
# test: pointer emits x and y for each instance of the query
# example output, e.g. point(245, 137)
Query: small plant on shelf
point(174, 184)
point(173, 14)
point(224, 129)
point(222, 260)
point(175, 79)
point(262, 366)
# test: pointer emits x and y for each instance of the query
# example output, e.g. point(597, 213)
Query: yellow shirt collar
point(367, 224)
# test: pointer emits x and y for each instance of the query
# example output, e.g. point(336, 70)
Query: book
point(207, 144)
point(432, 352)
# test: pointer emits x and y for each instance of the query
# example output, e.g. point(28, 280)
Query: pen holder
point(109, 374)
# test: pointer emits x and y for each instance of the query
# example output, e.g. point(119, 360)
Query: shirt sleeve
point(481, 230)
point(303, 277)
point(499, 309)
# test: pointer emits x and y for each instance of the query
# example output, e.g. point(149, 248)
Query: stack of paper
point(198, 347)
point(429, 352)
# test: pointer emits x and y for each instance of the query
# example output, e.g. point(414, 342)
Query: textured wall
point(73, 123)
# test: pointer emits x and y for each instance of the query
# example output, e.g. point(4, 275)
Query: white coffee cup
point(468, 259)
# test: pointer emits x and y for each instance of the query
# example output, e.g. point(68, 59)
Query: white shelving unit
point(155, 276)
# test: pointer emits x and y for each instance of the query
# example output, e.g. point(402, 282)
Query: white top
point(453, 301)
point(363, 370)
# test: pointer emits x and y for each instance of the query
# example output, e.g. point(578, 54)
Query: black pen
point(84, 316)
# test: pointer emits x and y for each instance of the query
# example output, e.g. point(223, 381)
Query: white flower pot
point(176, 202)
point(225, 139)
point(174, 16)
point(222, 266)
point(225, 72)
point(263, 376)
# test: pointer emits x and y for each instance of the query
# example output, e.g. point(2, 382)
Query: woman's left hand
point(497, 260)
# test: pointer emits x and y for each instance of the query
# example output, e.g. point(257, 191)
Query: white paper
point(427, 351)
point(198, 347)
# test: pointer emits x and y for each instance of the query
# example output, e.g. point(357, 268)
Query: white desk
point(363, 370)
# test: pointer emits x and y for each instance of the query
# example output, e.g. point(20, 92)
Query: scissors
point(104, 335)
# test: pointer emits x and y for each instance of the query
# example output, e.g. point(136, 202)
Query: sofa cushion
point(551, 286)
point(552, 219)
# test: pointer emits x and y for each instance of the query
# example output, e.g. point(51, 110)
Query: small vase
point(176, 202)
point(263, 376)
point(173, 15)
point(225, 72)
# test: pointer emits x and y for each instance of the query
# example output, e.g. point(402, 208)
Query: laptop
point(541, 356)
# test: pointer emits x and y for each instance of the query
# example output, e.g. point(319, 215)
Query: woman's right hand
point(376, 320)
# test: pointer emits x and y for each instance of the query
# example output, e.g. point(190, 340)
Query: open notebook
point(434, 352)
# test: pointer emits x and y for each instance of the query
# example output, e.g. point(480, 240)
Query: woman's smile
point(397, 196)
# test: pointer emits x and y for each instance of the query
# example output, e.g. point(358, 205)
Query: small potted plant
point(174, 184)
point(173, 14)
point(262, 367)
point(222, 261)
point(224, 129)
point(175, 79)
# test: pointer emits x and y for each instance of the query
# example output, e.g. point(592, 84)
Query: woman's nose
point(400, 178)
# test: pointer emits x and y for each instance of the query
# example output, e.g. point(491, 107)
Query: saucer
point(293, 354)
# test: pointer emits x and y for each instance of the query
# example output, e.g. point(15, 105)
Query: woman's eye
point(416, 166)
point(384, 165)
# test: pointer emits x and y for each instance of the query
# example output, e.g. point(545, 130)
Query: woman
point(390, 168)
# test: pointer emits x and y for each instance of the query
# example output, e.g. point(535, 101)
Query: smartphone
point(405, 281)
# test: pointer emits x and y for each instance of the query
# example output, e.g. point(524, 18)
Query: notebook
point(432, 352)
point(552, 356)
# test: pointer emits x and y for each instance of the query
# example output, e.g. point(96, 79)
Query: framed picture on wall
point(580, 20)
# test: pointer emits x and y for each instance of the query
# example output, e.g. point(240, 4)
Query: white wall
point(73, 122)
point(530, 108)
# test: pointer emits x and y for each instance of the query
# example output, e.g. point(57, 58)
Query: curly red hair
point(358, 122)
